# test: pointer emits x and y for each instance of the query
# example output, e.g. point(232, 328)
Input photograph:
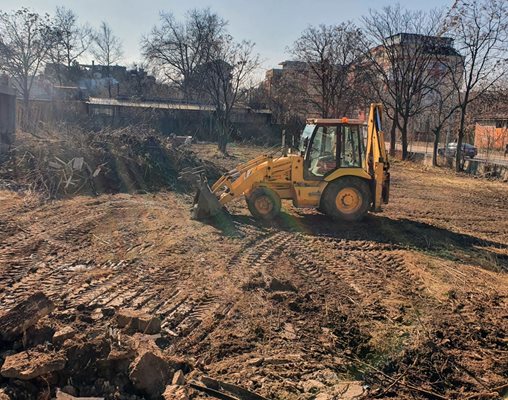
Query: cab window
point(322, 155)
point(306, 135)
point(351, 146)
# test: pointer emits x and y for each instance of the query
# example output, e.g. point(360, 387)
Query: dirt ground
point(409, 303)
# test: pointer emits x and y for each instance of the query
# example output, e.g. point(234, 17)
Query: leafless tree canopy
point(480, 30)
point(200, 57)
point(177, 48)
point(25, 40)
point(73, 39)
point(107, 49)
point(400, 61)
point(329, 52)
point(222, 78)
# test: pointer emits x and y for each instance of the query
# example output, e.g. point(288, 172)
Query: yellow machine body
point(291, 175)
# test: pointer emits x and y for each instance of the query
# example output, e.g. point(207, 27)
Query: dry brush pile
point(70, 160)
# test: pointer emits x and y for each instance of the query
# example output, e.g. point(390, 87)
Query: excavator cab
point(328, 145)
point(341, 168)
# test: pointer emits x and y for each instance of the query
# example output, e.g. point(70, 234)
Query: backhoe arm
point(376, 157)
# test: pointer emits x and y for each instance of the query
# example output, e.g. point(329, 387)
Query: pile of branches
point(69, 160)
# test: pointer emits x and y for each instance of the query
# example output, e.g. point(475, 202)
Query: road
point(494, 157)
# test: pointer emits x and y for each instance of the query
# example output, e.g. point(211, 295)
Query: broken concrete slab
point(138, 321)
point(150, 374)
point(24, 315)
point(31, 364)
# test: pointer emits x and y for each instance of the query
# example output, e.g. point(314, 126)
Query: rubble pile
point(44, 354)
point(75, 161)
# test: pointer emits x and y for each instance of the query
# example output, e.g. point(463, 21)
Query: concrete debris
point(175, 392)
point(289, 332)
point(24, 315)
point(60, 395)
point(150, 374)
point(138, 321)
point(63, 334)
point(178, 378)
point(31, 364)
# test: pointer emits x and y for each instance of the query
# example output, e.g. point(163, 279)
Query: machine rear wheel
point(347, 199)
point(264, 203)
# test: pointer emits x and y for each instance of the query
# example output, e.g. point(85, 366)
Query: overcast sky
point(271, 24)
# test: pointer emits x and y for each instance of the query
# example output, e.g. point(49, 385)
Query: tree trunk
point(393, 132)
point(26, 121)
point(109, 81)
point(222, 135)
point(437, 134)
point(403, 134)
point(458, 156)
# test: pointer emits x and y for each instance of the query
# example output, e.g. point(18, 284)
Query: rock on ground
point(175, 392)
point(63, 334)
point(138, 321)
point(31, 364)
point(150, 374)
point(178, 378)
point(65, 396)
point(24, 315)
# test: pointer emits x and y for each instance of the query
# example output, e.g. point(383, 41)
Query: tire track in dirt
point(363, 273)
point(255, 255)
point(18, 266)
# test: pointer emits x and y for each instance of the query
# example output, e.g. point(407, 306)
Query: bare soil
point(409, 303)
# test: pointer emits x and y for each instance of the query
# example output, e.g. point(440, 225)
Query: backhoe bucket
point(205, 204)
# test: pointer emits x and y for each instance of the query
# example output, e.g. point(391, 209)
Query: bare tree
point(400, 54)
point(329, 53)
point(222, 79)
point(73, 41)
point(25, 40)
point(107, 49)
point(443, 105)
point(480, 30)
point(177, 48)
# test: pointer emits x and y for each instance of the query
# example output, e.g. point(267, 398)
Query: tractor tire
point(347, 199)
point(264, 203)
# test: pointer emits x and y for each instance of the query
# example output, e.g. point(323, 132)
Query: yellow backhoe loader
point(341, 168)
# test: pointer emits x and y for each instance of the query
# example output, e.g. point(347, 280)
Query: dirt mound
point(69, 160)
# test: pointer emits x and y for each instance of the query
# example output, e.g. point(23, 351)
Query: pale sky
point(272, 25)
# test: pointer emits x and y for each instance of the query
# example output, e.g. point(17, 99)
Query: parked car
point(468, 150)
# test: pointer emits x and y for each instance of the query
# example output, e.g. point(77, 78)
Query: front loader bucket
point(205, 204)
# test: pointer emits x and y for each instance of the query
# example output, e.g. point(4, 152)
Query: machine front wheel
point(264, 203)
point(347, 198)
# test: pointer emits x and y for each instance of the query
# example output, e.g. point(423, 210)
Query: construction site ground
point(409, 303)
